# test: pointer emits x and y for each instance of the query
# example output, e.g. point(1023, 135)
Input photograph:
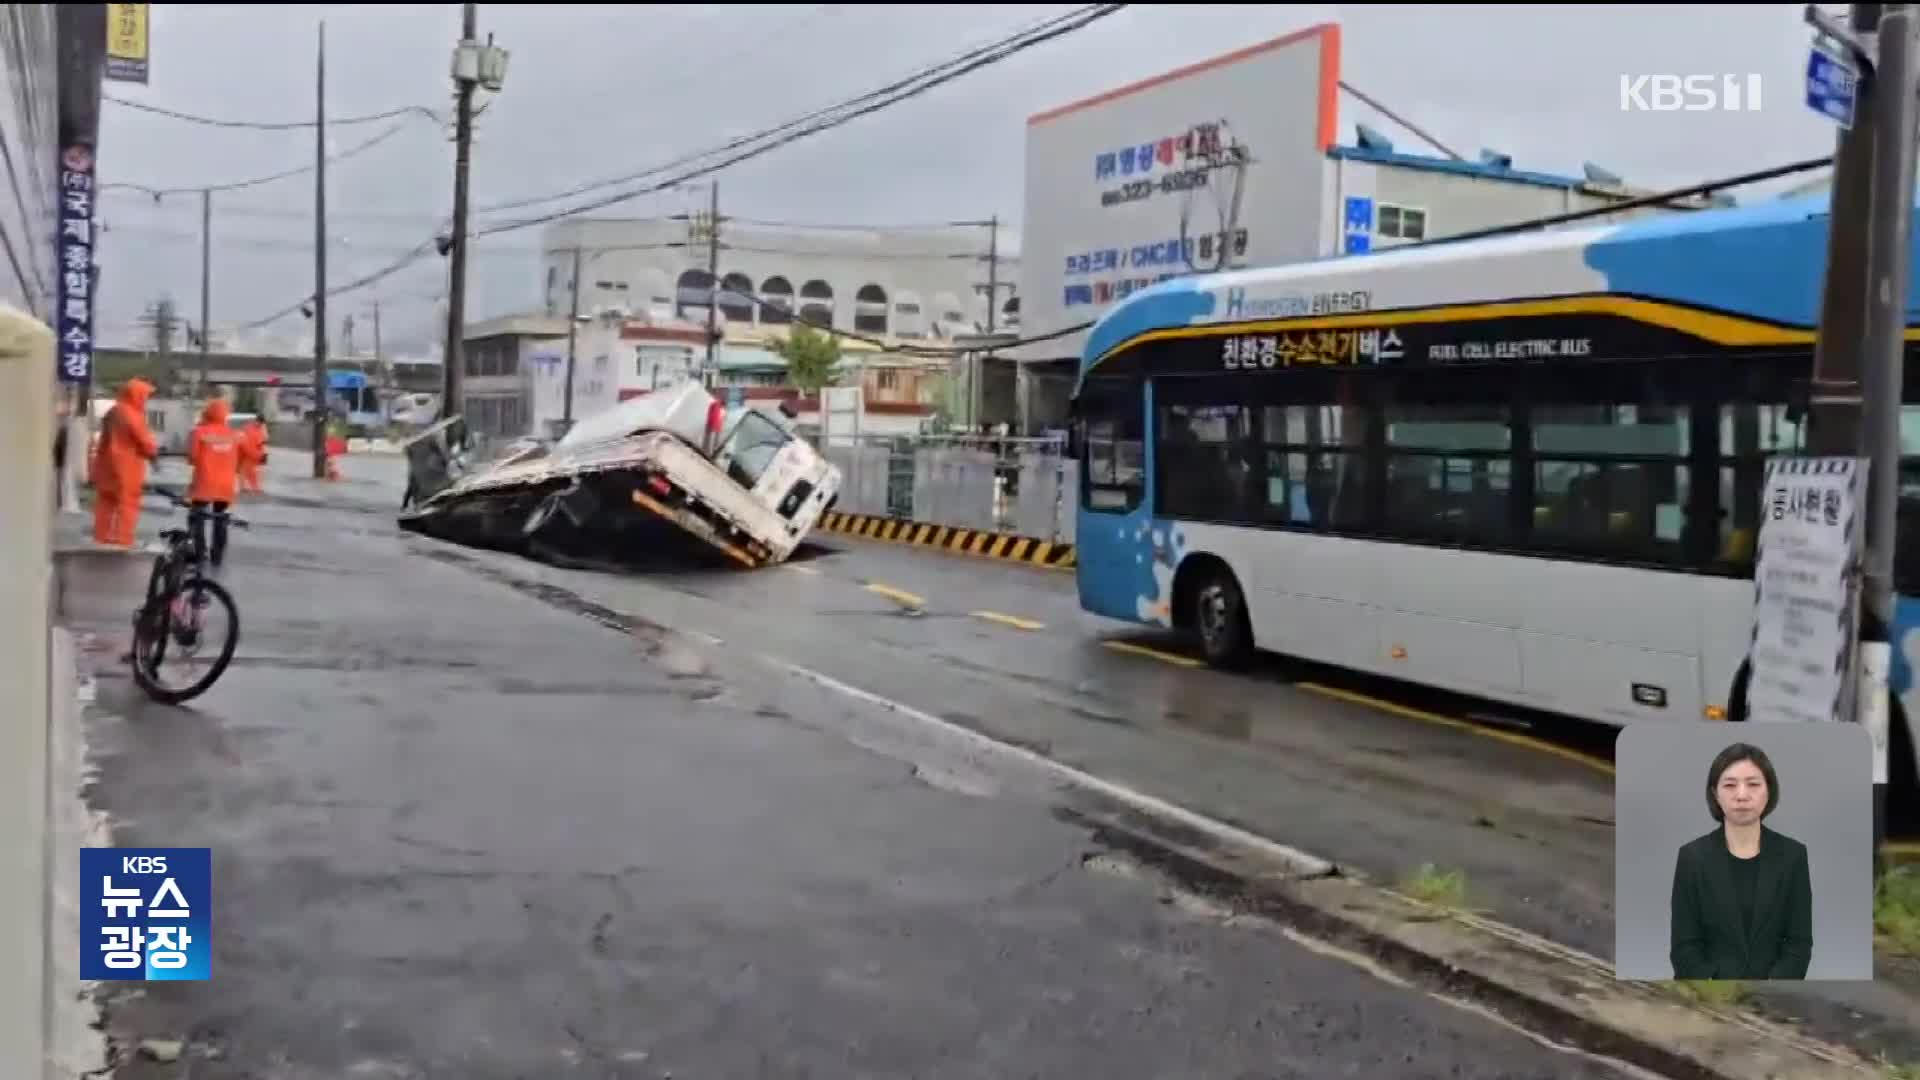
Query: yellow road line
point(900, 595)
point(1010, 620)
point(1513, 738)
point(1142, 650)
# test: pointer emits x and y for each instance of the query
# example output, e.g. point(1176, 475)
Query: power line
point(412, 256)
point(1047, 27)
point(394, 217)
point(926, 82)
point(256, 181)
point(1080, 18)
point(290, 125)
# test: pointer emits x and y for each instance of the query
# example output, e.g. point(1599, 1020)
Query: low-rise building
point(516, 381)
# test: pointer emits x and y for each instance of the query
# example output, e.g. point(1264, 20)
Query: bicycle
point(179, 593)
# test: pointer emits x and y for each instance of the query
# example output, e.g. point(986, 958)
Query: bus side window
point(1111, 425)
point(1750, 433)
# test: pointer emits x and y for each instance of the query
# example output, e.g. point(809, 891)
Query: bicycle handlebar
point(173, 496)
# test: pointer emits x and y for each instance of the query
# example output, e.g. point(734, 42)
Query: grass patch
point(1899, 1072)
point(1896, 911)
point(1714, 993)
point(1434, 886)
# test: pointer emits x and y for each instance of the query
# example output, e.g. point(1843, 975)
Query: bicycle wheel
point(174, 627)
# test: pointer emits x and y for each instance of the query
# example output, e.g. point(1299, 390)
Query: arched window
point(816, 302)
point(870, 310)
point(736, 298)
point(693, 293)
point(777, 294)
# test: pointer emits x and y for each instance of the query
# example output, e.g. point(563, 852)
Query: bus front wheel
point(1219, 615)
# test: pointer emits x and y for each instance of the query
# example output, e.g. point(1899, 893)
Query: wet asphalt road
point(464, 829)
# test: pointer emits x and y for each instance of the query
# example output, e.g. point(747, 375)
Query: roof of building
point(1370, 146)
point(1483, 170)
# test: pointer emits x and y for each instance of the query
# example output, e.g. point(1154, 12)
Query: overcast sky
point(596, 91)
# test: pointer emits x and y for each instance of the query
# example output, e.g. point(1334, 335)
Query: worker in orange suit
point(253, 454)
point(119, 465)
point(214, 451)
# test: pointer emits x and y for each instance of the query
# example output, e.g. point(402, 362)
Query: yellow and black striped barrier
point(981, 542)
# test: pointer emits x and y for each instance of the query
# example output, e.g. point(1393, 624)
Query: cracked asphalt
point(463, 829)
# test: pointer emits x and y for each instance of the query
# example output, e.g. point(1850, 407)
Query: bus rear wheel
point(1219, 616)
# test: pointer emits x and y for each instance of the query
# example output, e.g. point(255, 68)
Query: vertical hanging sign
point(75, 315)
point(127, 43)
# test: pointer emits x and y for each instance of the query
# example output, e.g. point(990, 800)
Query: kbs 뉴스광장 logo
point(146, 914)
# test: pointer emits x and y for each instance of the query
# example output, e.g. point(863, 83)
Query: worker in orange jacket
point(214, 450)
point(253, 454)
point(119, 465)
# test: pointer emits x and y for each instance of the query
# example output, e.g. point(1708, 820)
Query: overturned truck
point(670, 475)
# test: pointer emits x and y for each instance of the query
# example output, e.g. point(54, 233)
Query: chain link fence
point(1024, 486)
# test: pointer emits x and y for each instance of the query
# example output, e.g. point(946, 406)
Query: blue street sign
point(1359, 225)
point(1830, 86)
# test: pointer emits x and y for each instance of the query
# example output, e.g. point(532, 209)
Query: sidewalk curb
point(1541, 985)
point(982, 543)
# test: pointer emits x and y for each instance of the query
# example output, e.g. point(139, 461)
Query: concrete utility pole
point(1834, 400)
point(1888, 251)
point(455, 374)
point(713, 279)
point(206, 282)
point(1855, 398)
point(993, 270)
point(320, 402)
point(573, 321)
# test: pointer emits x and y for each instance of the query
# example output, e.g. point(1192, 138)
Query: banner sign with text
point(1805, 580)
point(74, 319)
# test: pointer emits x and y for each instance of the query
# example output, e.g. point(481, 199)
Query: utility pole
point(713, 279)
point(320, 402)
point(206, 282)
point(993, 270)
point(163, 324)
point(1888, 251)
point(1834, 398)
point(573, 321)
point(379, 358)
point(346, 336)
point(1855, 395)
point(455, 374)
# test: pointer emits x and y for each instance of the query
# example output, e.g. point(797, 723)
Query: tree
point(813, 358)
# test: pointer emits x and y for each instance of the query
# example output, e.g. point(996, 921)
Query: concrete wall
point(26, 575)
point(954, 487)
point(863, 484)
point(1044, 506)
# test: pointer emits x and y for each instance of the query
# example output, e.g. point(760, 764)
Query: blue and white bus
point(1526, 468)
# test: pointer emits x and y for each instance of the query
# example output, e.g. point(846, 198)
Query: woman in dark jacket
point(1743, 893)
